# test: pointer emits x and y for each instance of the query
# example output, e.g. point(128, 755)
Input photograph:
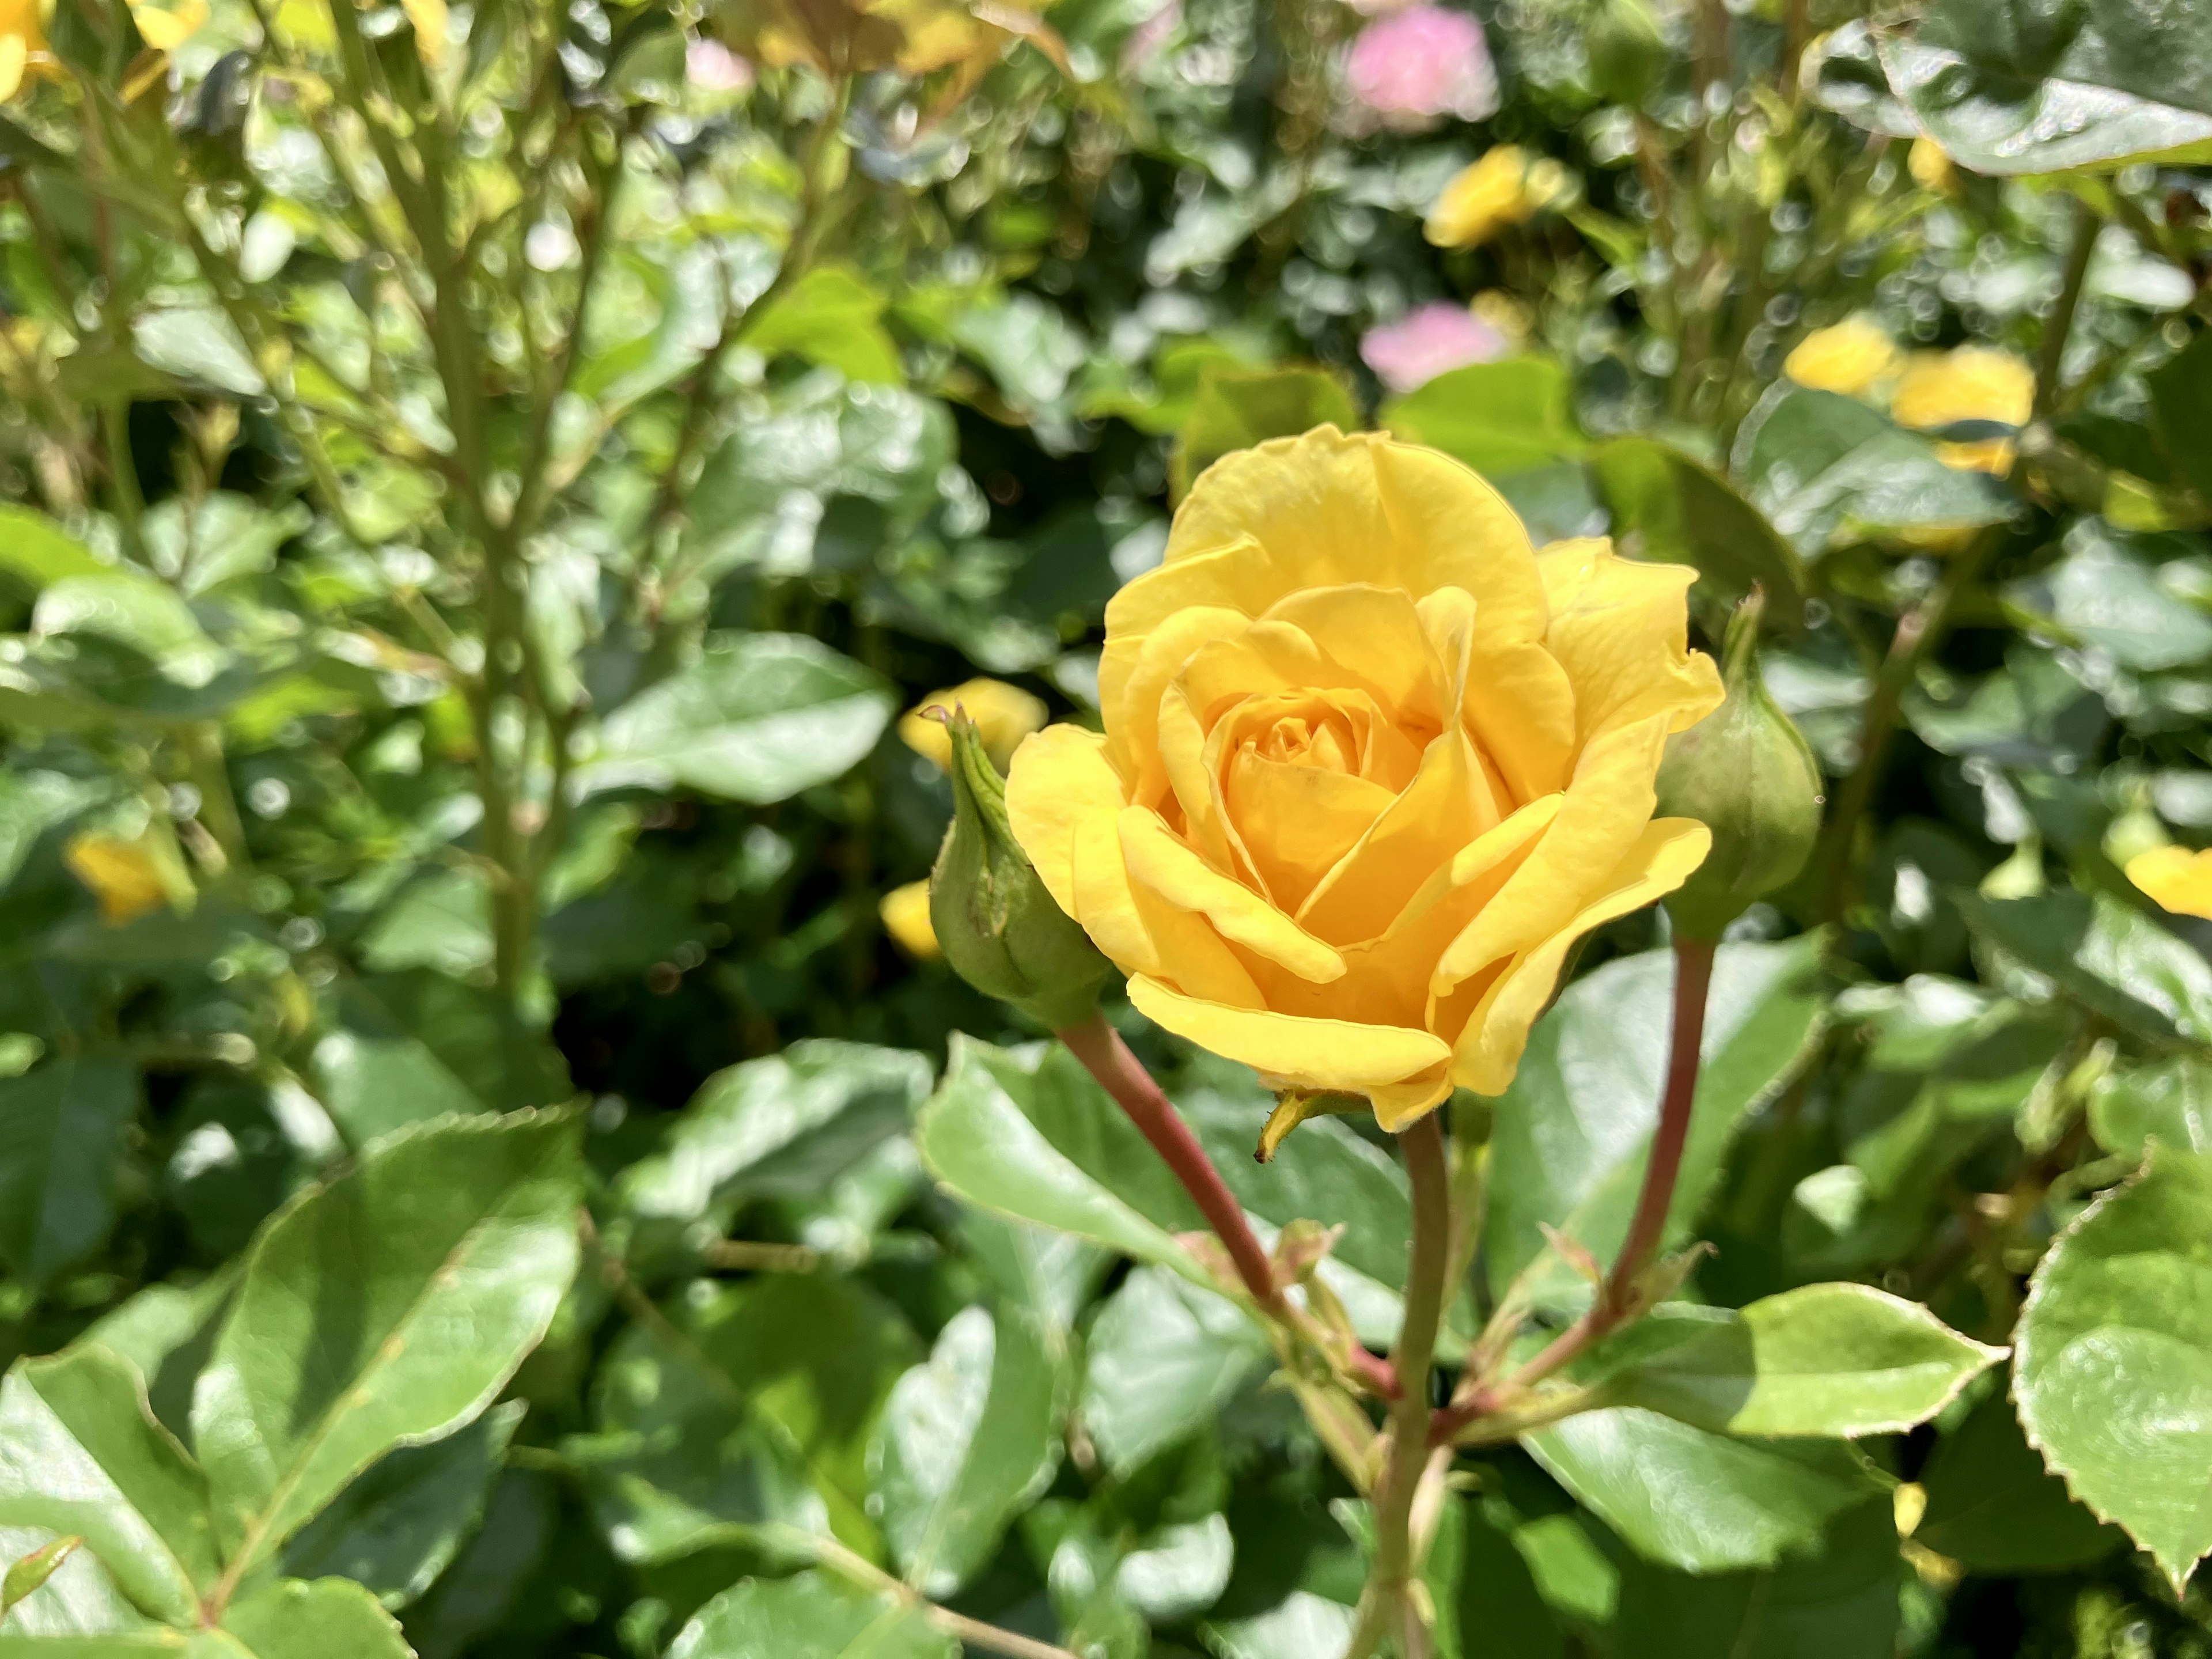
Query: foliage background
point(488, 479)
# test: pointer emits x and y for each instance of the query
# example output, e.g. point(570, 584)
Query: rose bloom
point(2176, 879)
point(1372, 765)
point(1426, 342)
point(1507, 186)
point(22, 44)
point(905, 913)
point(1850, 357)
point(1004, 715)
point(1414, 67)
point(1971, 383)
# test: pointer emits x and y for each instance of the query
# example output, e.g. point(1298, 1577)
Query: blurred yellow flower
point(1850, 357)
point(1971, 383)
point(1004, 715)
point(2177, 878)
point(428, 19)
point(1930, 167)
point(1507, 186)
point(1372, 765)
point(167, 26)
point(126, 876)
point(905, 911)
point(1509, 316)
point(22, 44)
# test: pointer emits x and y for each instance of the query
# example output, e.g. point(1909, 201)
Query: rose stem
point(1615, 1298)
point(1123, 1076)
point(1422, 1146)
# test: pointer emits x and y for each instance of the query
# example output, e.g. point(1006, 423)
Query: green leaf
point(1303, 1626)
point(1039, 1140)
point(1829, 470)
point(1163, 1358)
point(811, 1616)
point(1236, 409)
point(36, 551)
point(401, 1523)
point(2181, 409)
point(2030, 86)
point(1842, 1603)
point(1573, 1130)
point(2113, 1375)
point(61, 1139)
point(136, 611)
point(1698, 1501)
point(2169, 1100)
point(221, 537)
point(2103, 595)
point(2107, 955)
point(81, 1453)
point(329, 1619)
point(34, 802)
point(166, 1332)
point(387, 1308)
point(1025, 342)
point(759, 718)
point(830, 316)
point(784, 1126)
point(1992, 1506)
point(79, 1599)
point(1668, 509)
point(198, 343)
point(404, 1047)
point(30, 1573)
point(968, 1438)
point(1839, 1361)
point(1499, 418)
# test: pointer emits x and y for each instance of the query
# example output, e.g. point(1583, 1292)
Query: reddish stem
point(1647, 1228)
point(1123, 1076)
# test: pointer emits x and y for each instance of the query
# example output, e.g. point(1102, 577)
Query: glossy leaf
point(1700, 1502)
point(969, 1437)
point(61, 1139)
point(329, 1619)
point(783, 1126)
point(757, 719)
point(399, 1525)
point(1994, 1508)
point(2108, 956)
point(1163, 1358)
point(81, 1455)
point(1499, 418)
point(810, 1616)
point(1668, 509)
point(2169, 1100)
point(1573, 1131)
point(1839, 1361)
point(2114, 1369)
point(829, 316)
point(386, 1309)
point(1236, 409)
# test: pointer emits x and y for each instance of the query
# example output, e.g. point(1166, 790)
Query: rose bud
point(996, 925)
point(1746, 773)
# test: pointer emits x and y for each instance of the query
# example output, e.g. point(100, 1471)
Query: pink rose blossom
point(1428, 340)
point(1414, 67)
point(713, 67)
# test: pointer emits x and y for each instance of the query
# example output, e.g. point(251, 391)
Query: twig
point(828, 1553)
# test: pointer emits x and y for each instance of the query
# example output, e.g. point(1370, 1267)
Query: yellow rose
point(1370, 766)
point(905, 911)
point(126, 876)
point(1004, 715)
point(1972, 383)
point(1851, 357)
point(1506, 187)
point(2176, 879)
point(1930, 167)
point(22, 44)
point(167, 25)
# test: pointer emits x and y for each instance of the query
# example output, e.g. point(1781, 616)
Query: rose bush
point(1372, 765)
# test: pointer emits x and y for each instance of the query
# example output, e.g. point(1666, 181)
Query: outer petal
point(1158, 860)
point(1489, 1048)
point(1317, 1053)
point(1619, 628)
point(1060, 776)
point(1608, 805)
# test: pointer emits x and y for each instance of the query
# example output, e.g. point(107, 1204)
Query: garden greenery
point(525, 521)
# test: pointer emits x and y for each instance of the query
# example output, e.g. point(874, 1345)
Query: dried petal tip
point(1747, 775)
point(995, 922)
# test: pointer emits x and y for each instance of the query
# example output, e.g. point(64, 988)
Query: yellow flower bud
point(1004, 715)
point(1508, 186)
point(1747, 773)
point(905, 911)
point(1851, 357)
point(128, 877)
point(1972, 383)
point(2176, 879)
point(1930, 167)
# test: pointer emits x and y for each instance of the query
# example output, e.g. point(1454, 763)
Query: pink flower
point(1428, 340)
point(1414, 67)
point(1146, 39)
point(713, 67)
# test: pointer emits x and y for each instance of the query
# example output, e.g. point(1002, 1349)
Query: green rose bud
point(995, 922)
point(1747, 773)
